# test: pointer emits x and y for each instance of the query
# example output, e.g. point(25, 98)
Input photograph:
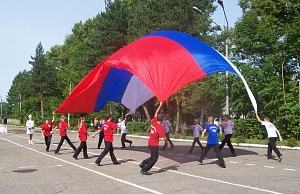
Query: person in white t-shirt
point(196, 132)
point(123, 132)
point(227, 125)
point(167, 126)
point(272, 135)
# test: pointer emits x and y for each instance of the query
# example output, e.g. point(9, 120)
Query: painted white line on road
point(182, 173)
point(87, 169)
point(63, 147)
point(234, 162)
point(26, 167)
point(180, 154)
point(289, 169)
point(58, 165)
point(170, 153)
point(215, 180)
point(250, 164)
point(224, 182)
point(269, 166)
point(193, 156)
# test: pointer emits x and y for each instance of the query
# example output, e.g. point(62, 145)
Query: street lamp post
point(226, 54)
point(1, 107)
point(69, 94)
point(198, 10)
point(20, 107)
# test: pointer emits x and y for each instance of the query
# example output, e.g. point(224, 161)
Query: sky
point(25, 23)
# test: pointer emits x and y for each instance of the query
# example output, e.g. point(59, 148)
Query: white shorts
point(29, 132)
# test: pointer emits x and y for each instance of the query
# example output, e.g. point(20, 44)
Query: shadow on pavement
point(179, 153)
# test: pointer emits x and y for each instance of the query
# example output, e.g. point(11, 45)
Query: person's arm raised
point(157, 110)
point(257, 117)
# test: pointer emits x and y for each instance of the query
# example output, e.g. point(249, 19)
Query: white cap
point(30, 116)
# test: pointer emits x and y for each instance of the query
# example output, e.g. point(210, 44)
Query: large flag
point(157, 64)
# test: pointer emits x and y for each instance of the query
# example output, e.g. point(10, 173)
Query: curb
point(189, 140)
point(235, 144)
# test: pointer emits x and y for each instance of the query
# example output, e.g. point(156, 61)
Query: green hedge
point(138, 127)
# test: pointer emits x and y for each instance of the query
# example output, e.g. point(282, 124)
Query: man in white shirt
point(227, 125)
point(272, 135)
point(196, 132)
point(167, 126)
point(123, 132)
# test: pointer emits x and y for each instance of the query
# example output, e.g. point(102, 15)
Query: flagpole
point(69, 94)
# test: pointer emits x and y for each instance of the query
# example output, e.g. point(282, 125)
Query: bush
point(240, 139)
point(221, 136)
point(177, 136)
point(138, 127)
point(291, 142)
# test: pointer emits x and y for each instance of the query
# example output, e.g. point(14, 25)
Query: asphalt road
point(30, 169)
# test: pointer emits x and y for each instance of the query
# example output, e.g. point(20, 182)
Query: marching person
point(108, 128)
point(272, 135)
point(212, 141)
point(46, 131)
point(227, 126)
point(62, 126)
point(157, 131)
point(167, 126)
point(82, 136)
point(96, 123)
point(101, 134)
point(196, 132)
point(124, 132)
point(30, 129)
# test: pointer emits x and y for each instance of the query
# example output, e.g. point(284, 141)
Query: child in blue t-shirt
point(212, 141)
point(101, 134)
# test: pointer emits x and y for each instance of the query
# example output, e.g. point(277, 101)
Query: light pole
point(1, 107)
point(69, 94)
point(198, 10)
point(226, 54)
point(20, 107)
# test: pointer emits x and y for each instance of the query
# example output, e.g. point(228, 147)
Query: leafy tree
point(40, 75)
point(262, 38)
point(18, 91)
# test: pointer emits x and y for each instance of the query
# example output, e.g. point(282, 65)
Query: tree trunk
point(298, 59)
point(146, 112)
point(177, 116)
point(282, 78)
point(42, 102)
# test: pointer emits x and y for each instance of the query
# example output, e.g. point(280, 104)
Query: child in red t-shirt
point(108, 128)
point(82, 136)
point(157, 131)
point(62, 126)
point(46, 131)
